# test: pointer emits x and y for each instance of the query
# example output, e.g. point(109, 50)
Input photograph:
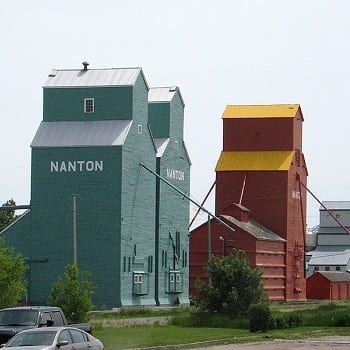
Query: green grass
point(138, 313)
point(146, 336)
point(319, 319)
point(115, 338)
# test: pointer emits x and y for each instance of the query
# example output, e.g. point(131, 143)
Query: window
point(140, 283)
point(65, 335)
point(137, 279)
point(337, 268)
point(171, 279)
point(316, 268)
point(57, 318)
point(139, 129)
point(46, 317)
point(89, 105)
point(77, 336)
point(326, 268)
point(178, 278)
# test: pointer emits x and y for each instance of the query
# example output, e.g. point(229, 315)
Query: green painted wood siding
point(174, 217)
point(67, 104)
point(98, 222)
point(138, 202)
point(159, 119)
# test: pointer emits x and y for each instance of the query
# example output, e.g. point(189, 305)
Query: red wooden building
point(260, 179)
point(330, 285)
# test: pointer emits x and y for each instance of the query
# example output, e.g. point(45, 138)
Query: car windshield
point(18, 317)
point(32, 339)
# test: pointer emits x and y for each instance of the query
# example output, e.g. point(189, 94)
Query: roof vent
point(53, 73)
point(85, 64)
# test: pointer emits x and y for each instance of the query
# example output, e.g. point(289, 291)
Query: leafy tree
point(234, 285)
point(7, 216)
point(12, 277)
point(73, 294)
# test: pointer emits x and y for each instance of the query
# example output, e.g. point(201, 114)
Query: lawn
point(319, 319)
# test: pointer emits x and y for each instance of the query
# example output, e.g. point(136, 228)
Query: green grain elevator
point(104, 159)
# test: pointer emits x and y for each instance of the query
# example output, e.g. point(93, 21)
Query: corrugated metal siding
point(80, 133)
point(261, 111)
point(273, 160)
point(93, 77)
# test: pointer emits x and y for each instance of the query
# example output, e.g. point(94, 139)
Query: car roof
point(34, 308)
point(46, 329)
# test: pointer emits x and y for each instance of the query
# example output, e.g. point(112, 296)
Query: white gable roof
point(92, 77)
point(82, 133)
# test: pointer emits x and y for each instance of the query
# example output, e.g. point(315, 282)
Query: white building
point(332, 252)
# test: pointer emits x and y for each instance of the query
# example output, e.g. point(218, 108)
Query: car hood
point(13, 329)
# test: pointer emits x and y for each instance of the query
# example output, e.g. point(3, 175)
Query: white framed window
point(137, 279)
point(178, 277)
point(139, 129)
point(171, 278)
point(89, 105)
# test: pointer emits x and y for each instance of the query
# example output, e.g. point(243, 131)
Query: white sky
point(218, 52)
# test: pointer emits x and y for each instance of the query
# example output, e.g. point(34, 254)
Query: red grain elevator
point(262, 170)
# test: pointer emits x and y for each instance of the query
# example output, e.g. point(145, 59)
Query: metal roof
point(161, 144)
point(92, 77)
point(336, 276)
point(254, 228)
point(329, 256)
point(259, 160)
point(336, 205)
point(261, 111)
point(161, 94)
point(82, 133)
point(336, 230)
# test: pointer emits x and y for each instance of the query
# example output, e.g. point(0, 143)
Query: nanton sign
point(75, 166)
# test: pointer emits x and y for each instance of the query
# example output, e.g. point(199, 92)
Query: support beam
point(187, 197)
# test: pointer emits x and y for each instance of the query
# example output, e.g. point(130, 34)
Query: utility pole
point(74, 210)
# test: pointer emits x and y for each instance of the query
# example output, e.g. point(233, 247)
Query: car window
point(65, 335)
point(46, 316)
point(32, 339)
point(78, 337)
point(57, 318)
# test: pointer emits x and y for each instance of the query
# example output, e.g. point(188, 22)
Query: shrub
point(234, 285)
point(259, 317)
point(73, 294)
point(284, 321)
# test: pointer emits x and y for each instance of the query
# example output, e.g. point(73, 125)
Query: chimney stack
point(85, 64)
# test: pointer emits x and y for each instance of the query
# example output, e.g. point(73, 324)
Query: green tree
point(7, 216)
point(234, 285)
point(12, 277)
point(73, 294)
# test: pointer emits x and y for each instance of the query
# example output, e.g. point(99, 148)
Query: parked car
point(53, 338)
point(16, 319)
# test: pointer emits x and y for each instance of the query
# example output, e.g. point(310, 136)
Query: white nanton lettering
point(175, 174)
point(75, 166)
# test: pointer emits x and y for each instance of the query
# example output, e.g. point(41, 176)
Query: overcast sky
point(218, 52)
